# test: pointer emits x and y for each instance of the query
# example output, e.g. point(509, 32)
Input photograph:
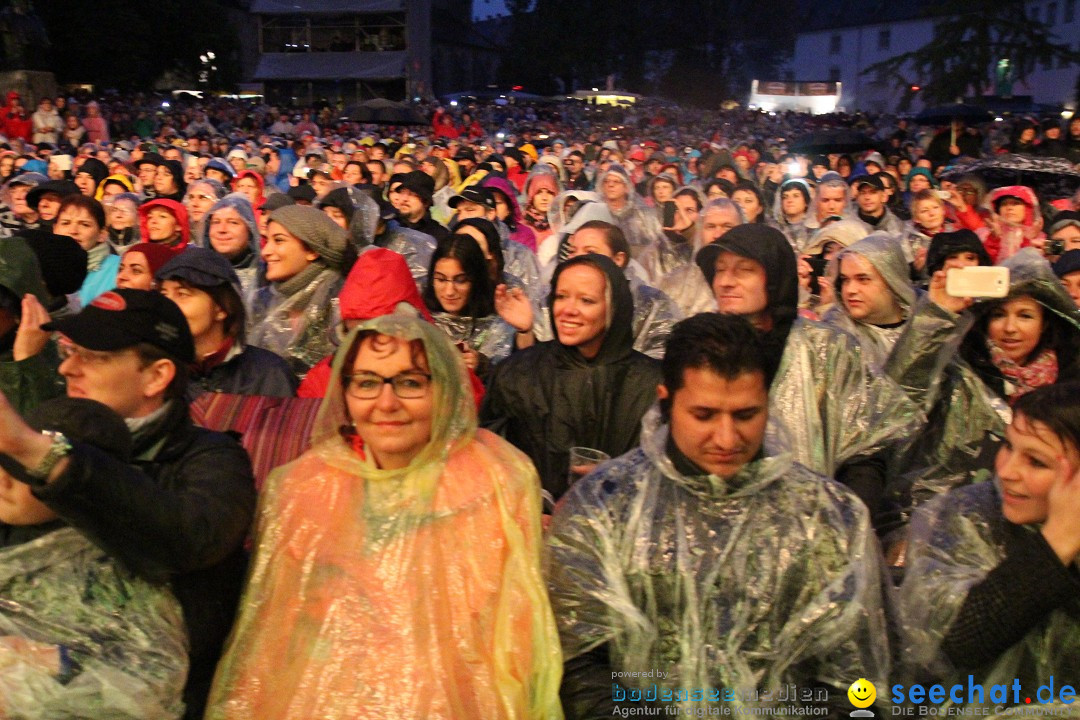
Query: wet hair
point(747, 186)
point(83, 202)
point(1055, 406)
point(465, 250)
point(727, 345)
point(613, 236)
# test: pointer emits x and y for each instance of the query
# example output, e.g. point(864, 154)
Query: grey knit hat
point(316, 230)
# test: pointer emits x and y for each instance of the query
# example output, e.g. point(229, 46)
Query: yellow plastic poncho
point(413, 593)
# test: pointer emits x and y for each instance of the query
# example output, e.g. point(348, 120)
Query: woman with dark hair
point(588, 387)
point(990, 592)
point(750, 199)
point(205, 287)
point(1028, 339)
point(1008, 347)
point(844, 166)
point(461, 297)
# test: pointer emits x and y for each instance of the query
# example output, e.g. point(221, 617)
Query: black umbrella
point(385, 112)
point(833, 141)
point(1052, 178)
point(944, 114)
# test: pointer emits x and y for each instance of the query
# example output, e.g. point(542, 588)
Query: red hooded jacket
point(377, 283)
point(178, 211)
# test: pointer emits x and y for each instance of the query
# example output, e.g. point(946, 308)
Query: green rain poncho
point(966, 417)
point(769, 578)
point(125, 638)
point(412, 593)
point(955, 541)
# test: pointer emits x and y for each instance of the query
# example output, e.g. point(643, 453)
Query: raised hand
point(943, 299)
point(1061, 529)
point(30, 339)
point(514, 306)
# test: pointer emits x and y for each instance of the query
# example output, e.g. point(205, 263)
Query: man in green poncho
point(698, 567)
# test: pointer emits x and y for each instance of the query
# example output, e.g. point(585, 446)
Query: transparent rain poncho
point(638, 221)
point(412, 593)
point(298, 327)
point(492, 336)
point(416, 247)
point(883, 251)
point(768, 578)
point(955, 542)
point(965, 417)
point(125, 638)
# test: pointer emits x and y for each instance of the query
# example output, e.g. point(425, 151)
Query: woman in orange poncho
point(396, 572)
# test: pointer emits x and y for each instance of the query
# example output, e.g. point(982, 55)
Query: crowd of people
point(642, 393)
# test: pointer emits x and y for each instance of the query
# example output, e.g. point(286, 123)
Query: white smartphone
point(977, 282)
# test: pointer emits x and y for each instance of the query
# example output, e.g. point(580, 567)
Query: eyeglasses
point(457, 280)
point(369, 385)
point(68, 350)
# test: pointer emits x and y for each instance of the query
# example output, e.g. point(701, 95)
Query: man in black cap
point(411, 193)
point(180, 511)
point(870, 197)
point(473, 202)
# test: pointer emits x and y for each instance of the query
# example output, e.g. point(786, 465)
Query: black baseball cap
point(872, 180)
point(474, 194)
point(123, 318)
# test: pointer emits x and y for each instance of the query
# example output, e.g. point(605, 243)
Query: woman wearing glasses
point(461, 298)
point(396, 568)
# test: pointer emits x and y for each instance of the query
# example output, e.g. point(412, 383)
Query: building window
point(1070, 11)
point(834, 45)
point(834, 74)
point(1051, 13)
point(884, 39)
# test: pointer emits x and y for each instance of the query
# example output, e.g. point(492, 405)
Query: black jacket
point(549, 398)
point(178, 514)
point(254, 371)
point(428, 226)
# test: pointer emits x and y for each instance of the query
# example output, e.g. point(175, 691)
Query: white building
point(841, 38)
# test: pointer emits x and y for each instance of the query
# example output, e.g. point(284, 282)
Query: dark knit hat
point(62, 260)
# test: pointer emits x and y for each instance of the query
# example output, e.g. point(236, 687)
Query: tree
point(977, 45)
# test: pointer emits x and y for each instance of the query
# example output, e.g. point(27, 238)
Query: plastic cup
point(583, 461)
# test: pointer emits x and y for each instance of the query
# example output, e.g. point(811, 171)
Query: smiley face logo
point(862, 693)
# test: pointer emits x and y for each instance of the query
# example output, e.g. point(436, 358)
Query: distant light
point(500, 135)
point(211, 55)
point(202, 58)
point(1067, 114)
point(793, 168)
point(517, 88)
point(165, 104)
point(596, 89)
point(915, 88)
point(543, 136)
point(999, 119)
point(453, 103)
